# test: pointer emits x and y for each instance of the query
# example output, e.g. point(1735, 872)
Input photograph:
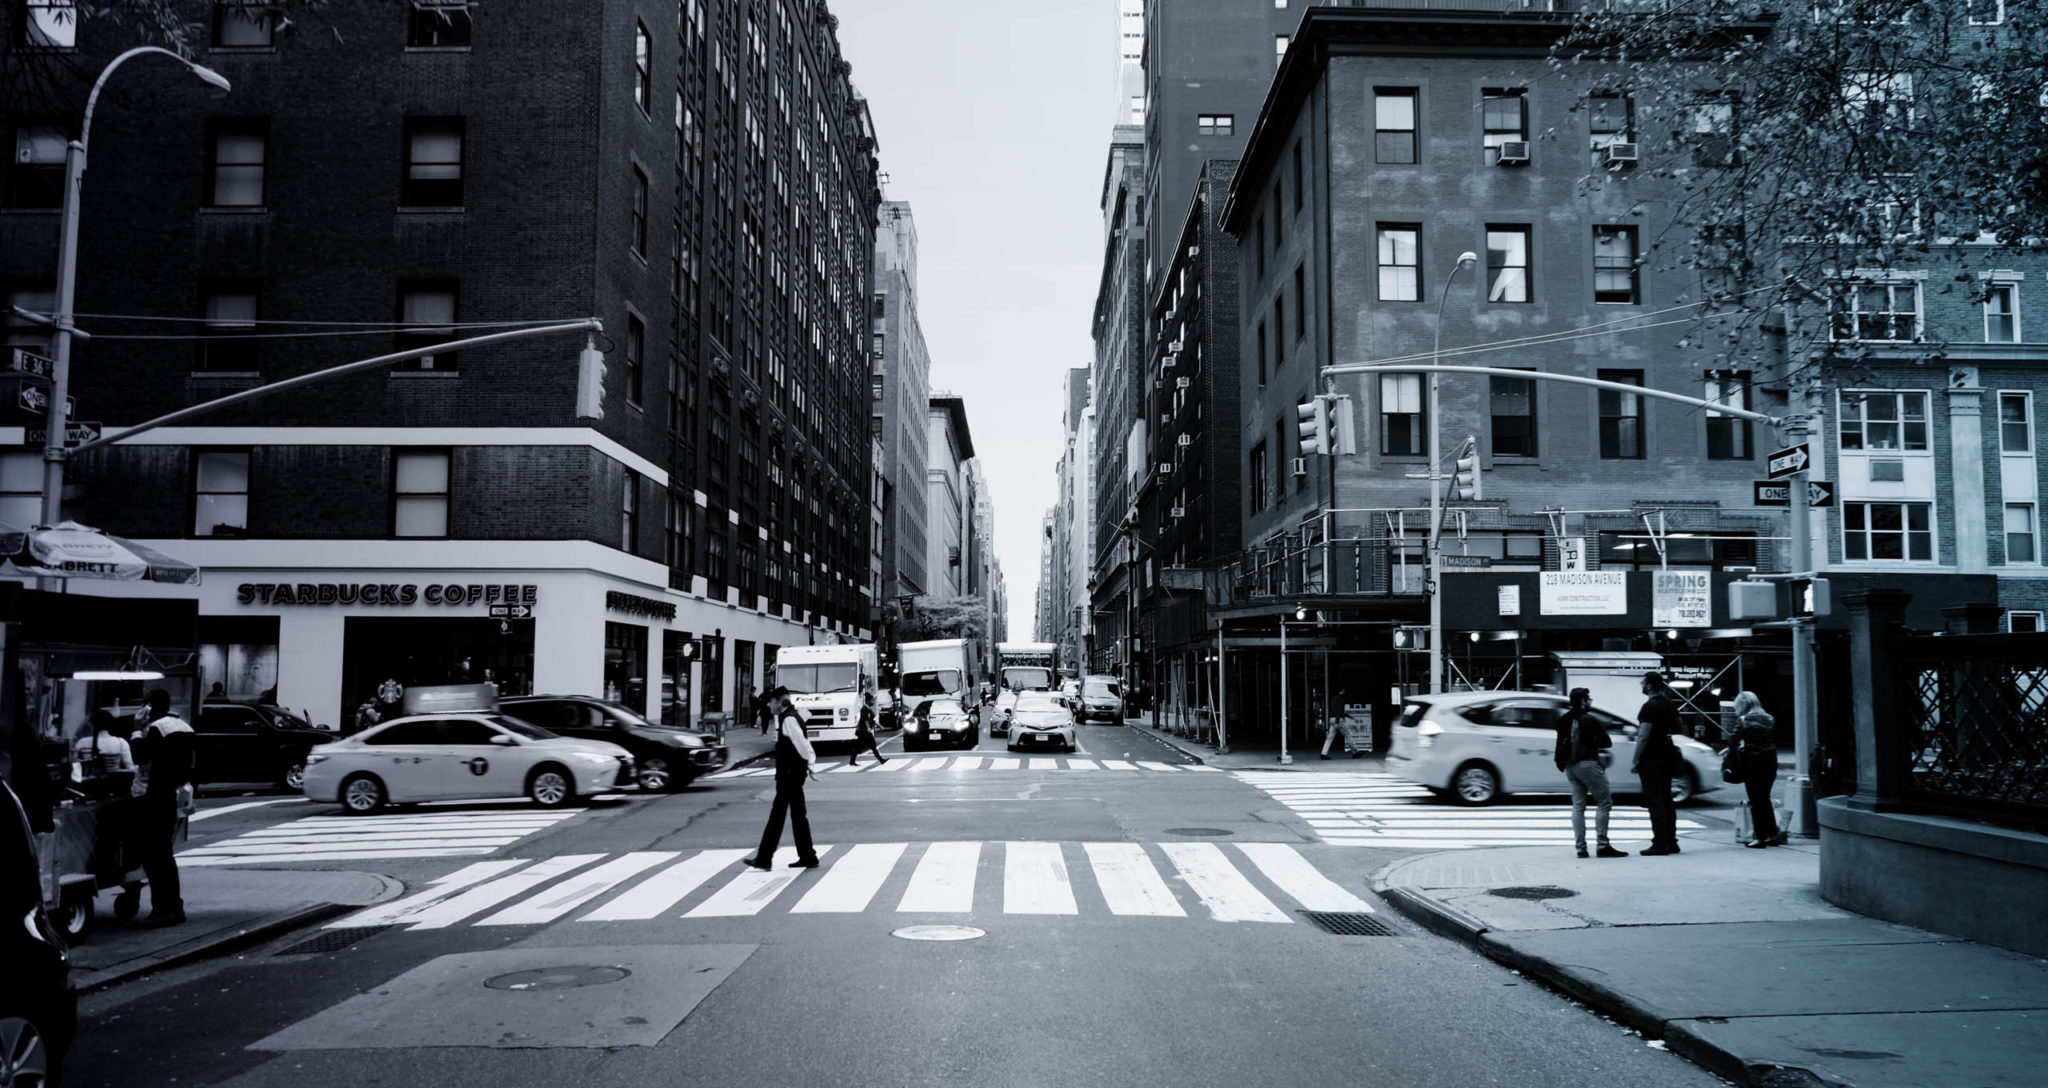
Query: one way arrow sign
point(1786, 462)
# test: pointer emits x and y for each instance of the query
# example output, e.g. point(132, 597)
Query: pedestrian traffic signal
point(1465, 479)
point(590, 382)
point(1312, 418)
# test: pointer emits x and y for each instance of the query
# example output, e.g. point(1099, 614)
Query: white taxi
point(1038, 718)
point(462, 756)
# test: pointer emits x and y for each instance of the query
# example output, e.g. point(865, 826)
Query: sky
point(993, 122)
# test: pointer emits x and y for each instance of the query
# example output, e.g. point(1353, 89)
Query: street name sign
point(82, 431)
point(35, 400)
point(28, 362)
point(1465, 562)
point(1774, 493)
point(1787, 461)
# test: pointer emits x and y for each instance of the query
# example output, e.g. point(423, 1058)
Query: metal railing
point(1977, 706)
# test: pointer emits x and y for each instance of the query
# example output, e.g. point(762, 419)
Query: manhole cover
point(558, 978)
point(1540, 891)
point(1204, 832)
point(939, 933)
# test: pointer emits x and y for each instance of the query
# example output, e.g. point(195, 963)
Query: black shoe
point(1583, 854)
point(1607, 851)
point(1658, 851)
point(160, 920)
point(804, 863)
point(1326, 757)
point(884, 759)
point(1757, 844)
point(757, 863)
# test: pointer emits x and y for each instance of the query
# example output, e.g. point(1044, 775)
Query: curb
point(255, 933)
point(1170, 742)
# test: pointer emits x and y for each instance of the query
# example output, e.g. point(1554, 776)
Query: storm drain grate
point(334, 940)
point(1351, 925)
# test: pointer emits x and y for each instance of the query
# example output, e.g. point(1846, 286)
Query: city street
point(1130, 917)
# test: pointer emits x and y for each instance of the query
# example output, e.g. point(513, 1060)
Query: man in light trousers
point(1580, 740)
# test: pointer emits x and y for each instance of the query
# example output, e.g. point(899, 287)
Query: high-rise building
point(948, 497)
point(901, 390)
point(1118, 455)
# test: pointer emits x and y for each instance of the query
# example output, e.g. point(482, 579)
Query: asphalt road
point(1076, 978)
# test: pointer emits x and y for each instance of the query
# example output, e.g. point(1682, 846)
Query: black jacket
point(1655, 750)
point(1593, 739)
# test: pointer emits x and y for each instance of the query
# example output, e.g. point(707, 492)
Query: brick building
point(1120, 447)
point(699, 176)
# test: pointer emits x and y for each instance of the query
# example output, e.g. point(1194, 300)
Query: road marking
point(753, 888)
point(210, 813)
point(447, 912)
point(1225, 891)
point(1152, 766)
point(944, 879)
point(1118, 765)
point(1000, 764)
point(1292, 873)
point(852, 881)
point(1082, 765)
point(579, 889)
point(1128, 881)
point(338, 855)
point(896, 764)
point(400, 909)
point(930, 764)
point(967, 763)
point(1035, 880)
point(1039, 763)
point(1363, 808)
point(665, 889)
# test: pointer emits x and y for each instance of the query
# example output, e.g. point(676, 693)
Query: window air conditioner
point(1301, 466)
point(1620, 153)
point(1168, 362)
point(1180, 512)
point(1165, 469)
point(1184, 440)
point(1513, 153)
point(1183, 383)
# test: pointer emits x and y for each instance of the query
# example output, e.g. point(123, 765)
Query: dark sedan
point(38, 1007)
point(236, 742)
point(668, 756)
point(942, 722)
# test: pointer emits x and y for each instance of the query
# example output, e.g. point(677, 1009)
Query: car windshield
point(819, 679)
point(289, 720)
point(1101, 690)
point(1027, 678)
point(934, 682)
point(525, 729)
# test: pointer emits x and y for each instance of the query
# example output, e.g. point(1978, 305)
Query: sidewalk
point(1731, 956)
point(225, 908)
point(1265, 757)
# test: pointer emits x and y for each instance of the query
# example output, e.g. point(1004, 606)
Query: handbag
point(1731, 764)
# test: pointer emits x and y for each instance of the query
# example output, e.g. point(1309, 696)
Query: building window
point(1279, 218)
point(1610, 118)
point(875, 385)
point(438, 24)
point(1393, 110)
point(1713, 132)
point(241, 24)
point(1260, 483)
point(46, 24)
point(1215, 124)
point(1297, 176)
point(1504, 113)
point(1279, 331)
point(1614, 265)
point(234, 166)
point(1896, 532)
point(636, 357)
point(1621, 417)
point(21, 488)
point(629, 512)
point(1262, 352)
point(1512, 402)
point(230, 313)
point(2002, 313)
point(35, 172)
point(639, 224)
point(1402, 429)
point(2023, 623)
point(419, 493)
point(427, 309)
point(1279, 49)
point(1728, 436)
point(675, 531)
point(1260, 249)
point(1400, 262)
point(1883, 421)
point(2019, 533)
point(433, 162)
point(643, 67)
point(1507, 263)
point(1300, 301)
point(220, 493)
point(1876, 311)
point(2015, 423)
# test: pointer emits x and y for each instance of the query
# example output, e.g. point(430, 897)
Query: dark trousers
point(154, 826)
point(864, 741)
point(1759, 774)
point(1656, 783)
point(789, 800)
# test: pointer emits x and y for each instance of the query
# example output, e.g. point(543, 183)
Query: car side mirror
point(503, 740)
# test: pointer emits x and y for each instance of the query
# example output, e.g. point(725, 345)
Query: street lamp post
point(1436, 484)
point(57, 420)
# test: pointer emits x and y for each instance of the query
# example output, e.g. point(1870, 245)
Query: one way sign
point(1786, 462)
point(1775, 493)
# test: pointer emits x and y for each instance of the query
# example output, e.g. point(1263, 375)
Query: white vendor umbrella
point(71, 550)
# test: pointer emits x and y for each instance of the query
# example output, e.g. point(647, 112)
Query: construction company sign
point(1681, 598)
point(1583, 593)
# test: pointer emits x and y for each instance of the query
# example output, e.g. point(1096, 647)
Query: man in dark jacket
point(1580, 740)
point(164, 750)
point(1657, 760)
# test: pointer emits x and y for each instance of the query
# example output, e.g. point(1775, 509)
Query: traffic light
point(1313, 425)
point(1344, 439)
point(590, 382)
point(1465, 479)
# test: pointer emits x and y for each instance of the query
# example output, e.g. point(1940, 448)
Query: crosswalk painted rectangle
point(1035, 880)
point(1292, 873)
point(578, 890)
point(485, 896)
point(1128, 881)
point(1224, 890)
point(852, 881)
point(752, 889)
point(943, 881)
point(399, 910)
point(665, 889)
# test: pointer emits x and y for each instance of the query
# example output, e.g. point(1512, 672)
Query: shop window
point(438, 24)
point(1621, 417)
point(675, 677)
point(220, 493)
point(743, 702)
point(230, 318)
point(625, 665)
point(433, 162)
point(427, 309)
point(35, 172)
point(241, 24)
point(235, 159)
point(419, 494)
point(21, 488)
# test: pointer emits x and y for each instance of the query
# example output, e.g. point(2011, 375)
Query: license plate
point(1042, 736)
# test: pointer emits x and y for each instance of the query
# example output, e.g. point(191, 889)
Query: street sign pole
point(1799, 801)
point(1284, 720)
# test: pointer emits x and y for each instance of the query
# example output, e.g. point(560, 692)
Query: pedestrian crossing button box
point(1752, 600)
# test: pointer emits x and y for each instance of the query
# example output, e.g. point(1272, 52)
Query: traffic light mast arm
point(588, 324)
point(1540, 375)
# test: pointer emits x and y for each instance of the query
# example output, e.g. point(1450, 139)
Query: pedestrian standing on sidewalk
point(864, 729)
point(1657, 760)
point(764, 711)
point(1334, 727)
point(164, 750)
point(1580, 743)
point(1755, 739)
point(793, 758)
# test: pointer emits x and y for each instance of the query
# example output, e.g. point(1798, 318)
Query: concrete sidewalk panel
point(1982, 1049)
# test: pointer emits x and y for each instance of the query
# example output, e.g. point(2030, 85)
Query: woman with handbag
point(1753, 755)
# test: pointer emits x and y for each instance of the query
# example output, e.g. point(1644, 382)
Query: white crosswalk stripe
point(984, 764)
point(1245, 882)
point(425, 834)
point(1371, 809)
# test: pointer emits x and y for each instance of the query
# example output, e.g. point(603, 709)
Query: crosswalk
point(1372, 809)
point(420, 834)
point(1254, 882)
point(915, 765)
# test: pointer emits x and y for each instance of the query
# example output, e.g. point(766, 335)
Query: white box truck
point(826, 683)
point(935, 669)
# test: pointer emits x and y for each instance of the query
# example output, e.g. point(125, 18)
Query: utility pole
point(1436, 485)
point(1799, 798)
point(1285, 721)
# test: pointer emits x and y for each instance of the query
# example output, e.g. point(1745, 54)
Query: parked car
point(666, 756)
point(1101, 697)
point(38, 1006)
point(1070, 694)
point(942, 722)
point(237, 742)
point(1038, 719)
point(462, 756)
point(1477, 747)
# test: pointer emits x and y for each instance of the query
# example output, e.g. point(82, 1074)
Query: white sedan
point(1039, 719)
point(452, 757)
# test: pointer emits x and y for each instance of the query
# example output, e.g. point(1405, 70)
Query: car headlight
point(596, 757)
point(1426, 733)
point(686, 740)
point(314, 757)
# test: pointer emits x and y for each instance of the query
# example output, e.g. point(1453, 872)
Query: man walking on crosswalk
point(793, 758)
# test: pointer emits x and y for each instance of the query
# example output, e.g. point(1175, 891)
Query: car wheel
point(26, 1054)
point(654, 774)
point(1475, 784)
point(549, 786)
point(362, 794)
point(294, 777)
point(73, 917)
point(1684, 786)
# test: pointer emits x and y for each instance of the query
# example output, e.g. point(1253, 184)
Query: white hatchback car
point(1479, 746)
point(462, 756)
point(1039, 719)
